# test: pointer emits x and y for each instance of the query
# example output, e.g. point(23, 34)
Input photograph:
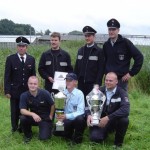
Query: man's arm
point(52, 111)
point(31, 114)
point(41, 67)
point(7, 77)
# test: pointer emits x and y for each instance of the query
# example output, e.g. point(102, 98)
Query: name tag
point(48, 63)
point(42, 102)
point(93, 58)
point(63, 63)
point(116, 100)
point(80, 56)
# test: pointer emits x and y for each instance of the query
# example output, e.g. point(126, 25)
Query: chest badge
point(121, 57)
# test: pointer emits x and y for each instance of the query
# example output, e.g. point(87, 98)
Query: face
point(89, 38)
point(33, 84)
point(21, 49)
point(71, 84)
point(55, 43)
point(113, 32)
point(111, 81)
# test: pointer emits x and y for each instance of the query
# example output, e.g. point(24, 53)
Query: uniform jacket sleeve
point(41, 67)
point(124, 108)
point(137, 56)
point(7, 76)
point(69, 68)
point(101, 65)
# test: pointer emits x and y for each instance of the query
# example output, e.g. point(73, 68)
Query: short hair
point(113, 73)
point(33, 77)
point(56, 34)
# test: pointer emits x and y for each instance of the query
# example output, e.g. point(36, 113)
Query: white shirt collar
point(113, 91)
point(25, 56)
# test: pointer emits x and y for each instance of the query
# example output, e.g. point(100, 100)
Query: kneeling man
point(37, 108)
point(73, 117)
point(114, 115)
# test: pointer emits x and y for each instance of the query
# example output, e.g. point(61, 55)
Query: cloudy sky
point(68, 15)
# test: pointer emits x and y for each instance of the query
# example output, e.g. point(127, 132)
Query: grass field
point(138, 134)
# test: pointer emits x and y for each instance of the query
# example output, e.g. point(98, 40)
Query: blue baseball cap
point(71, 76)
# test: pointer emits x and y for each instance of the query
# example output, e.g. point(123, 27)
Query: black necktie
point(22, 58)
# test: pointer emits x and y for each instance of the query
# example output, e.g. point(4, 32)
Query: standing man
point(73, 117)
point(37, 108)
point(114, 115)
point(54, 59)
point(89, 65)
point(118, 53)
point(19, 67)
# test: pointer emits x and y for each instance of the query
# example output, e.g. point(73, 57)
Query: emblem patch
point(121, 57)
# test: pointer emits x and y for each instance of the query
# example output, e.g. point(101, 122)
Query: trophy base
point(95, 122)
point(59, 128)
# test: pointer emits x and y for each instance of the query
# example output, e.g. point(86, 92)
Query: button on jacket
point(47, 69)
point(16, 74)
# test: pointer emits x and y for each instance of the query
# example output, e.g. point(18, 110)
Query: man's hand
point(51, 79)
point(8, 95)
point(126, 77)
point(36, 117)
point(103, 121)
point(89, 120)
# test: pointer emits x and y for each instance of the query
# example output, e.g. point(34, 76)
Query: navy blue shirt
point(40, 104)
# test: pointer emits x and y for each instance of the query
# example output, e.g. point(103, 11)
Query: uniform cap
point(71, 76)
point(22, 41)
point(88, 30)
point(113, 23)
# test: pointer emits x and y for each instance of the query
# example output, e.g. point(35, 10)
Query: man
point(89, 65)
point(118, 53)
point(53, 60)
point(73, 117)
point(114, 115)
point(19, 67)
point(37, 108)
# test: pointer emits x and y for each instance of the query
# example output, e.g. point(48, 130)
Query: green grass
point(137, 136)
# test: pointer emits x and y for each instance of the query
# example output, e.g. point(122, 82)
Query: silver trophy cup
point(95, 100)
point(59, 100)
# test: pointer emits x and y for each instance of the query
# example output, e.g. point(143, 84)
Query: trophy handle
point(52, 95)
point(88, 100)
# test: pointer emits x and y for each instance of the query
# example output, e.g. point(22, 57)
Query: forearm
point(52, 111)
point(26, 112)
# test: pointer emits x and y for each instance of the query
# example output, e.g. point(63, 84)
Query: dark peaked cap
point(88, 30)
point(22, 41)
point(113, 23)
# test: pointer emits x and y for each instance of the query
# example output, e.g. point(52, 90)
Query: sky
point(67, 15)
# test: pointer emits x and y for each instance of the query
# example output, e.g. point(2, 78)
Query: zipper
point(86, 63)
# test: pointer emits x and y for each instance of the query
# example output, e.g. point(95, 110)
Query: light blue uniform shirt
point(74, 105)
point(109, 94)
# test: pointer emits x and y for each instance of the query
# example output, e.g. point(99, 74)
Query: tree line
point(8, 27)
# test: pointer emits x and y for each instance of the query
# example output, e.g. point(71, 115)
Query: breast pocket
point(122, 54)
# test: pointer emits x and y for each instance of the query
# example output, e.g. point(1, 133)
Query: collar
point(113, 91)
point(90, 45)
point(73, 91)
point(25, 56)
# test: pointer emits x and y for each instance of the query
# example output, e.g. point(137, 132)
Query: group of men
point(92, 63)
